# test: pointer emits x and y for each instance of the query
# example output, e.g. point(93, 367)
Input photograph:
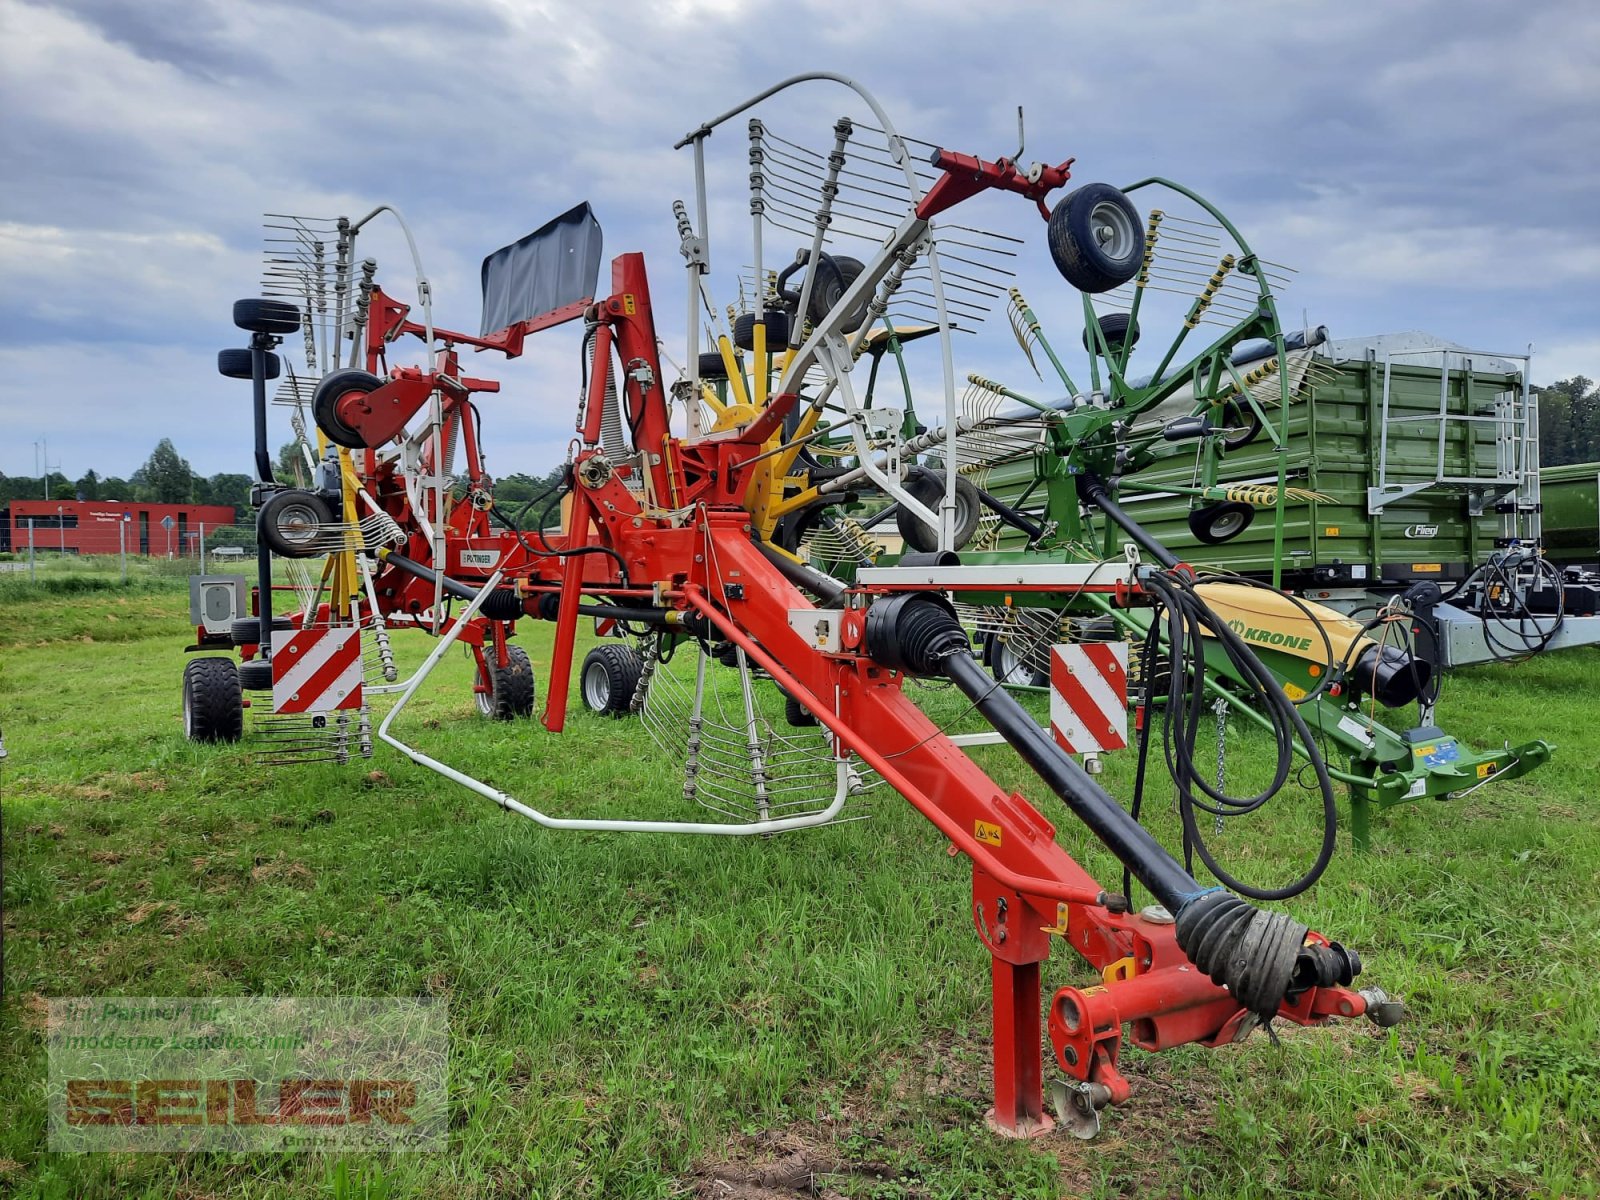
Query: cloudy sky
point(1425, 165)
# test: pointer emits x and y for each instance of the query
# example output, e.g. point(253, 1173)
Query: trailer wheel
point(609, 678)
point(511, 691)
point(1118, 329)
point(335, 386)
point(266, 316)
point(1096, 238)
point(1214, 524)
point(213, 702)
point(1007, 666)
point(928, 487)
point(711, 365)
point(796, 713)
point(777, 322)
point(292, 523)
point(247, 631)
point(1245, 423)
point(238, 364)
point(256, 675)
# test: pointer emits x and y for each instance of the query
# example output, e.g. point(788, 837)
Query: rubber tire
point(280, 503)
point(994, 656)
point(256, 675)
point(511, 689)
point(712, 366)
point(796, 714)
point(247, 630)
point(266, 316)
point(1232, 414)
point(928, 487)
point(1213, 523)
point(334, 387)
point(615, 678)
point(744, 330)
point(831, 287)
point(1078, 255)
point(1114, 328)
point(213, 702)
point(238, 364)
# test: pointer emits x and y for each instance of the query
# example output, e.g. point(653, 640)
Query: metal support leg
point(1018, 1110)
point(555, 699)
point(1360, 818)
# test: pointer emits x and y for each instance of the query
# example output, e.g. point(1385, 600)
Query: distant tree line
point(1569, 422)
point(167, 478)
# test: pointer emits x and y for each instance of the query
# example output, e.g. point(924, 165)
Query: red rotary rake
point(665, 535)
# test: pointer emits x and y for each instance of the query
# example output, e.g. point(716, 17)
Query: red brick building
point(92, 526)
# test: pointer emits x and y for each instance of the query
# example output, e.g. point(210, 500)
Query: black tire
point(256, 675)
point(292, 522)
point(213, 702)
point(236, 364)
point(1214, 524)
point(1008, 667)
point(712, 366)
point(796, 714)
point(266, 316)
point(1096, 238)
point(511, 689)
point(1244, 421)
point(928, 487)
point(831, 285)
point(247, 630)
point(609, 678)
point(777, 322)
point(1114, 327)
point(335, 386)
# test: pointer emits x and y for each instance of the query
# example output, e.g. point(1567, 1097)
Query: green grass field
point(802, 1015)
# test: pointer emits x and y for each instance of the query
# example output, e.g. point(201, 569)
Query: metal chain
point(1221, 709)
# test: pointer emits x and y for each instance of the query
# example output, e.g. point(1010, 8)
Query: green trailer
point(1417, 455)
point(1570, 496)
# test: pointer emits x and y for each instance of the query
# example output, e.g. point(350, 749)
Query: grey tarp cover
point(556, 265)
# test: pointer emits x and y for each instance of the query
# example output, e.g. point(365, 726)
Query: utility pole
point(41, 454)
point(61, 525)
point(30, 550)
point(122, 545)
point(202, 547)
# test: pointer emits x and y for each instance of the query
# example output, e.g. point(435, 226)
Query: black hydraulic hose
point(258, 386)
point(1188, 620)
point(1010, 515)
point(1092, 489)
point(823, 587)
point(1130, 841)
point(503, 604)
point(258, 382)
point(1261, 957)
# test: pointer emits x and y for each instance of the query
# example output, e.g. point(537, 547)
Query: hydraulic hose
point(502, 605)
point(1261, 957)
point(1187, 622)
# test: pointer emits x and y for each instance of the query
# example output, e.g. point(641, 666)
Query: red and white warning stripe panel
point(316, 670)
point(1089, 696)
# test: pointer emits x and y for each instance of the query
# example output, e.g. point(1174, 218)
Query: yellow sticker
point(1485, 770)
point(1424, 751)
point(628, 305)
point(1331, 531)
point(986, 832)
point(1293, 692)
point(1429, 568)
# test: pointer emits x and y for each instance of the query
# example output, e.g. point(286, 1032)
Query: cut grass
point(648, 1017)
